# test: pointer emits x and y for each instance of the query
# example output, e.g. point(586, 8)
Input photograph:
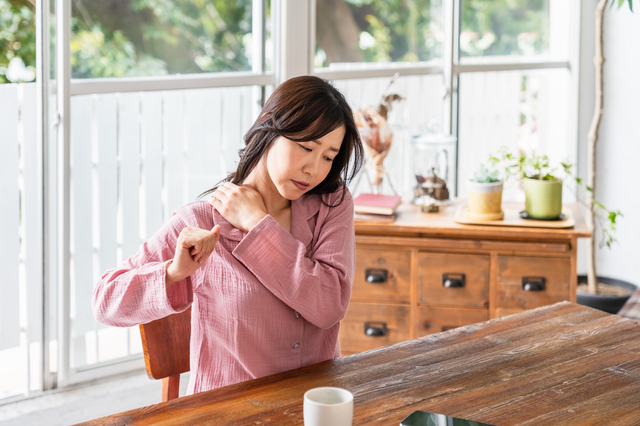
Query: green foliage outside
point(398, 30)
point(138, 37)
point(504, 27)
point(155, 37)
point(17, 34)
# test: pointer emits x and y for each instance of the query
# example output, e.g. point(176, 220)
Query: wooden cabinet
point(425, 274)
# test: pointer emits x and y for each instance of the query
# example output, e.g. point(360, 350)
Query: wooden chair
point(166, 350)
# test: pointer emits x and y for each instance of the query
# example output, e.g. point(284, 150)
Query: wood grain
point(511, 270)
point(563, 364)
point(398, 265)
point(512, 218)
point(413, 223)
point(475, 268)
point(165, 343)
point(435, 320)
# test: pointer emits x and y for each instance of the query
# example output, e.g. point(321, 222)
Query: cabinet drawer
point(453, 279)
point(436, 320)
point(382, 275)
point(392, 322)
point(526, 282)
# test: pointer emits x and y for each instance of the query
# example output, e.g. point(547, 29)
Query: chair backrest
point(166, 350)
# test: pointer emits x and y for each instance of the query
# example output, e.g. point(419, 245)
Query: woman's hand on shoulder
point(194, 247)
point(241, 205)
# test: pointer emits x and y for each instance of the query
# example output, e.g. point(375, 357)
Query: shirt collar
point(302, 209)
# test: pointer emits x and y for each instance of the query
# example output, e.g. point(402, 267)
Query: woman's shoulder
point(196, 214)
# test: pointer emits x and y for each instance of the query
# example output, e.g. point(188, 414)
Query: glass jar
point(434, 167)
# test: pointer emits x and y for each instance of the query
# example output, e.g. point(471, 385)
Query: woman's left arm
point(318, 287)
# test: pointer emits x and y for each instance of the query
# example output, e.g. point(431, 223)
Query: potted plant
point(484, 193)
point(535, 170)
point(604, 293)
point(542, 188)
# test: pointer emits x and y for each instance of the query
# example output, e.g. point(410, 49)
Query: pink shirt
point(265, 301)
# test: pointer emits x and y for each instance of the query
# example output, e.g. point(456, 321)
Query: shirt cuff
point(248, 242)
point(178, 295)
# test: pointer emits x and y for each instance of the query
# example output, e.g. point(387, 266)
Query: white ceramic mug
point(328, 407)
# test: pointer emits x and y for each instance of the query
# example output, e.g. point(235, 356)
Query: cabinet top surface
point(410, 221)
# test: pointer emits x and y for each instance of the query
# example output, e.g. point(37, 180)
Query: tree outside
point(154, 37)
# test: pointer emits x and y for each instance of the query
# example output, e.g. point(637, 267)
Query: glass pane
point(148, 37)
point(408, 116)
point(377, 31)
point(17, 41)
point(491, 28)
point(525, 111)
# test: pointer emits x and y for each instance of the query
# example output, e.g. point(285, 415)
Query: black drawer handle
point(453, 280)
point(375, 329)
point(533, 283)
point(376, 276)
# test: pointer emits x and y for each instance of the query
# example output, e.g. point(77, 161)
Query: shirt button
point(296, 345)
point(297, 314)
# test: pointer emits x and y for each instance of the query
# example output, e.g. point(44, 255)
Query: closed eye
point(328, 159)
point(305, 148)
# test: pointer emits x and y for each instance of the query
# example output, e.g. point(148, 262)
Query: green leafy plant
point(484, 175)
point(519, 167)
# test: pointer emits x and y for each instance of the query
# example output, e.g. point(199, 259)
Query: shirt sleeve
point(318, 287)
point(136, 292)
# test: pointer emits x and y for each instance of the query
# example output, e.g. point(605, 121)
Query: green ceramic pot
point(543, 198)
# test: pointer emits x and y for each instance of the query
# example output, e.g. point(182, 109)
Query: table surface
point(562, 364)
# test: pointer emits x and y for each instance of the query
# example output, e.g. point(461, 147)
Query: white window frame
point(57, 206)
point(294, 41)
point(451, 68)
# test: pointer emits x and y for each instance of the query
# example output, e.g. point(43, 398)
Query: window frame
point(451, 68)
point(294, 49)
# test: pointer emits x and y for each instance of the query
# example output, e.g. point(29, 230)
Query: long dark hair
point(303, 109)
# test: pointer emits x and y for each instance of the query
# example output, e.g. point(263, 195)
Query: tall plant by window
point(593, 136)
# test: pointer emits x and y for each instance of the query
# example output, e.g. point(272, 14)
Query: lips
point(300, 185)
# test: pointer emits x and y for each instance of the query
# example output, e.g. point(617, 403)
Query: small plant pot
point(485, 200)
point(543, 198)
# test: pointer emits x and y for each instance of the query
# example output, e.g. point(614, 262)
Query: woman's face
point(297, 167)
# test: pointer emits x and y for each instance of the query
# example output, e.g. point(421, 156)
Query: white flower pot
point(485, 200)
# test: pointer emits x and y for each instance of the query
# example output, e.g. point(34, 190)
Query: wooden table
point(562, 364)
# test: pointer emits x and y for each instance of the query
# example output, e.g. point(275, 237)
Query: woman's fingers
point(205, 245)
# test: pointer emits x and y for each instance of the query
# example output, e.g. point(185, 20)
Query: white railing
point(135, 158)
point(20, 239)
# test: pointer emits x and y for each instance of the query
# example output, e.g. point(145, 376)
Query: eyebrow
point(330, 148)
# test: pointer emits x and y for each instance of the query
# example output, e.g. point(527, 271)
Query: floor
point(86, 402)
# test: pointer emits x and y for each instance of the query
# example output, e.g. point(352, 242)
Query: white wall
point(618, 151)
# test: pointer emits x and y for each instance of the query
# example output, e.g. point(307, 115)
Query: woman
point(268, 263)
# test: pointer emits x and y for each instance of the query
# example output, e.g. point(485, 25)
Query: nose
point(311, 166)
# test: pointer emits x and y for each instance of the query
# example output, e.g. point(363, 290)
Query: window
point(140, 139)
point(150, 37)
point(157, 96)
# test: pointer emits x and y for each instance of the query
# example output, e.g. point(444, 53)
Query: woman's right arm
point(156, 281)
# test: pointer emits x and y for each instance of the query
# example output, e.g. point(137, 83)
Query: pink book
point(376, 204)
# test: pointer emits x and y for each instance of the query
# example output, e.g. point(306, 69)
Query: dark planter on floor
point(610, 304)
